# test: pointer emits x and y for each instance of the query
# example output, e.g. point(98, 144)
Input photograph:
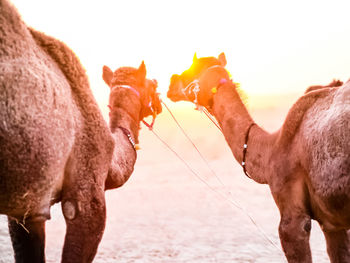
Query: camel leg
point(85, 215)
point(338, 246)
point(294, 232)
point(28, 240)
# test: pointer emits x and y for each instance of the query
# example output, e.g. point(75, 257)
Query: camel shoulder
point(296, 114)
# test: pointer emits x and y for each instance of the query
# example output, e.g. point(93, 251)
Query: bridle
point(193, 87)
point(148, 106)
point(127, 87)
point(126, 132)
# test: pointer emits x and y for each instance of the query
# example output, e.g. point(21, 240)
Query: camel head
point(205, 72)
point(134, 80)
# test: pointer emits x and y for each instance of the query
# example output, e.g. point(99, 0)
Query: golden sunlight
point(271, 47)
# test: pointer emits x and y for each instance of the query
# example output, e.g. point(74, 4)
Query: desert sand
point(164, 213)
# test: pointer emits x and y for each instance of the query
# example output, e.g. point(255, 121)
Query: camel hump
point(65, 58)
point(296, 114)
point(95, 128)
point(74, 72)
point(334, 84)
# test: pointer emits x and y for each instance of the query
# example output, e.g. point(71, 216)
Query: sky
point(271, 47)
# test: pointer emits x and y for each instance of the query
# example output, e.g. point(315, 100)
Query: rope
point(216, 192)
point(195, 147)
point(210, 117)
point(231, 201)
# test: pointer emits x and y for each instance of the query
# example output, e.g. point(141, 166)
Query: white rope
point(231, 200)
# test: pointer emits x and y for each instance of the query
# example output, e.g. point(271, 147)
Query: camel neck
point(125, 111)
point(124, 125)
point(235, 122)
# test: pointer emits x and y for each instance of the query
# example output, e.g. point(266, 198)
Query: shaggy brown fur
point(305, 163)
point(55, 145)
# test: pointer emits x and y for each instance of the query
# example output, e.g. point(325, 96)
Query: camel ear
point(107, 75)
point(195, 58)
point(141, 72)
point(222, 59)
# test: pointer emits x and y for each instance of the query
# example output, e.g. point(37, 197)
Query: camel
point(55, 144)
point(305, 163)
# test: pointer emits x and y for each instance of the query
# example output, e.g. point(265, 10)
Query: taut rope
point(231, 201)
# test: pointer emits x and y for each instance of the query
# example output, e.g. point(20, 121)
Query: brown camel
point(55, 144)
point(306, 163)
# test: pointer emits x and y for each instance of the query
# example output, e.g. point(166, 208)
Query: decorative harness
point(245, 147)
point(128, 135)
point(194, 88)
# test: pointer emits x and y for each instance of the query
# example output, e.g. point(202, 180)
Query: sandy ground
point(165, 214)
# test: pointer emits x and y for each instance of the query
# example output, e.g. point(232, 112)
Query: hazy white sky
point(271, 46)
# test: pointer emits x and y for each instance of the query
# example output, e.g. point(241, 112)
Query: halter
point(150, 104)
point(129, 88)
point(193, 87)
point(125, 87)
